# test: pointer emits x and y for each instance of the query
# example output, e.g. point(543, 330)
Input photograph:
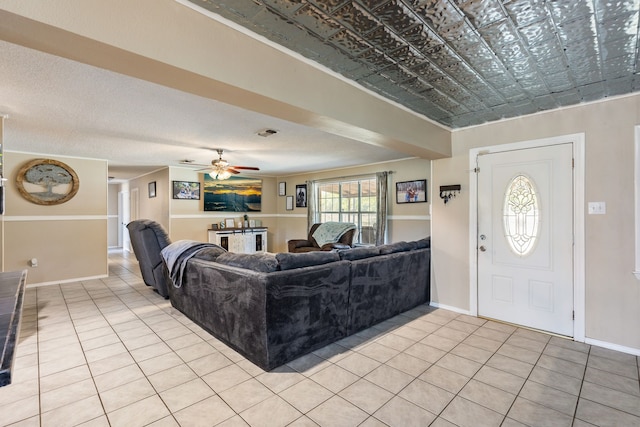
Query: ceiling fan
point(221, 169)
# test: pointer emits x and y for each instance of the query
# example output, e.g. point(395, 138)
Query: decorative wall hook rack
point(449, 191)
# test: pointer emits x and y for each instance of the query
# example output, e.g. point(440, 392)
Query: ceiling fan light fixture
point(220, 164)
point(220, 174)
point(221, 169)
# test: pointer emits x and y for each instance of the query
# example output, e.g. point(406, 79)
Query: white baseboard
point(610, 346)
point(59, 282)
point(590, 341)
point(449, 307)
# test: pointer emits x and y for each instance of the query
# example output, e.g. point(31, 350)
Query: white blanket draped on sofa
point(330, 232)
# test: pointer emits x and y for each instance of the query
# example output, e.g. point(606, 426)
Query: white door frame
point(578, 143)
point(124, 216)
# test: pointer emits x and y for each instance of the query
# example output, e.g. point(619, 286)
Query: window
point(353, 200)
point(521, 215)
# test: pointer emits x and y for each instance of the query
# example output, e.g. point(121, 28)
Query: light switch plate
point(597, 208)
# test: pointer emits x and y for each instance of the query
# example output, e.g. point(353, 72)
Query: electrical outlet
point(597, 208)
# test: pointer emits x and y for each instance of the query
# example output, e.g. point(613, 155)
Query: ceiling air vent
point(267, 132)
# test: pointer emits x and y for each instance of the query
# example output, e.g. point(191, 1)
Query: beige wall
point(186, 219)
point(59, 235)
point(154, 208)
point(612, 292)
point(406, 221)
point(190, 221)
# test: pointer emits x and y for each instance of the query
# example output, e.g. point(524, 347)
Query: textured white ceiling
point(59, 106)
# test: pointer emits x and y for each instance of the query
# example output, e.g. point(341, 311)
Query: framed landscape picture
point(186, 190)
point(236, 194)
point(411, 191)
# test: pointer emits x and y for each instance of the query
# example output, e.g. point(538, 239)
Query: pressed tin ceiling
point(460, 62)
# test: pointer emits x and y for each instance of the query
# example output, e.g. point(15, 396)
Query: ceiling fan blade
point(182, 163)
point(232, 170)
point(251, 168)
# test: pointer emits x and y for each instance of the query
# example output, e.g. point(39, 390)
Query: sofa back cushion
point(288, 261)
point(261, 262)
point(210, 253)
point(397, 247)
point(423, 243)
point(359, 253)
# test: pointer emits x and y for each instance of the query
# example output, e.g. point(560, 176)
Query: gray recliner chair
point(148, 238)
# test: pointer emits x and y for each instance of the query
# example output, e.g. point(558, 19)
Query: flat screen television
point(235, 194)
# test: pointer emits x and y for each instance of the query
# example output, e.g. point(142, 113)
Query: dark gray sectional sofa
point(275, 308)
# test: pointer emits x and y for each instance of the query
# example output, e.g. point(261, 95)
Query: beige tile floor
point(113, 353)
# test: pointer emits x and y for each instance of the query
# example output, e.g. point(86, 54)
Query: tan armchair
point(309, 244)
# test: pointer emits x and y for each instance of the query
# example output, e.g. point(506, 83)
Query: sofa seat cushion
point(359, 253)
point(261, 262)
point(288, 261)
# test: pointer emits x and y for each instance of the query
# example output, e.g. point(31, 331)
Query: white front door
point(525, 237)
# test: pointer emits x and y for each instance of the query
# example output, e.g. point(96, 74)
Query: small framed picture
point(152, 189)
point(252, 223)
point(214, 226)
point(301, 196)
point(411, 191)
point(229, 223)
point(289, 205)
point(186, 190)
point(282, 189)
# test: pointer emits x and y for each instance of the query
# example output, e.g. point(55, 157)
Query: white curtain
point(381, 221)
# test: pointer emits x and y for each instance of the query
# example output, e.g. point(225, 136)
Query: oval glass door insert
point(521, 215)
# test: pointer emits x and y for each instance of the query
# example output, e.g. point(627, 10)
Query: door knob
point(482, 248)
